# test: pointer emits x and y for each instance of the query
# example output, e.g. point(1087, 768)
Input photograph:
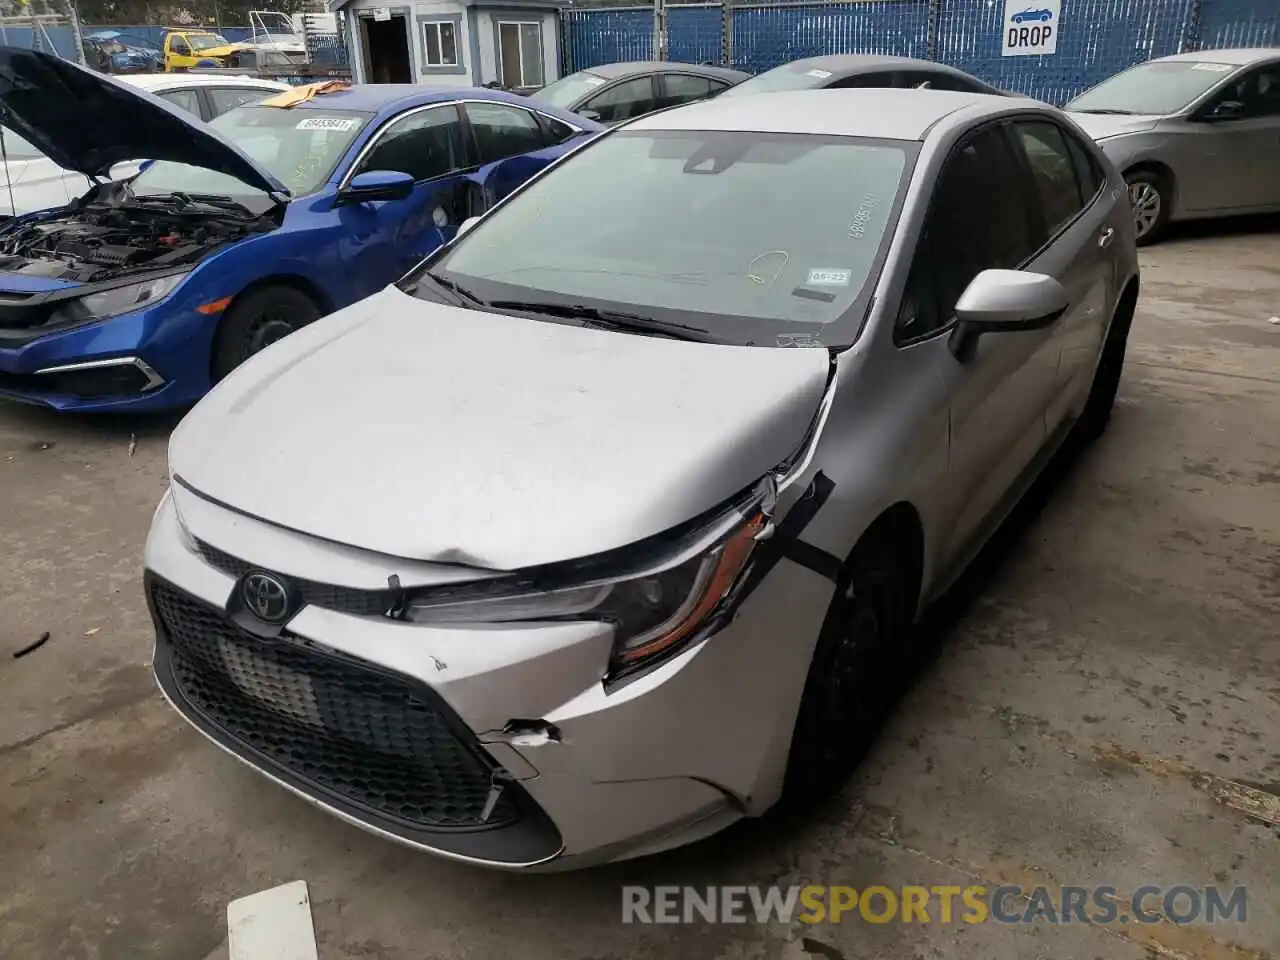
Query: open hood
point(437, 433)
point(89, 122)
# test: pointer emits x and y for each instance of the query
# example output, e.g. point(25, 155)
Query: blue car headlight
point(117, 300)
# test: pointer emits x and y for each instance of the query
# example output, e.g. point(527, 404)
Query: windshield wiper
point(607, 319)
point(455, 288)
point(180, 200)
point(1108, 111)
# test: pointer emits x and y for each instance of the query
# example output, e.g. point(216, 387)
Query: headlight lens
point(112, 303)
point(652, 614)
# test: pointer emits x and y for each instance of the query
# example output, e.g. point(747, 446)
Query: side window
point(977, 220)
point(424, 145)
point(187, 99)
point(503, 131)
point(557, 131)
point(684, 88)
point(942, 81)
point(1053, 171)
point(1088, 171)
point(180, 47)
point(863, 80)
point(632, 98)
point(1258, 92)
point(228, 98)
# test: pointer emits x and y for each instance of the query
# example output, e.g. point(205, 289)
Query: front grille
point(361, 603)
point(371, 739)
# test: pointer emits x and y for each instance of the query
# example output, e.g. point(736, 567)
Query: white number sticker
point(820, 74)
point(829, 278)
point(593, 81)
point(1214, 67)
point(328, 123)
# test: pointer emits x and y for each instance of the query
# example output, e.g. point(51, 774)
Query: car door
point(981, 216)
point(622, 101)
point(1080, 253)
point(1217, 151)
point(384, 238)
point(510, 143)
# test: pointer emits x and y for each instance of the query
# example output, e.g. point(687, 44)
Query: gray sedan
point(614, 92)
point(596, 534)
point(844, 70)
point(1196, 135)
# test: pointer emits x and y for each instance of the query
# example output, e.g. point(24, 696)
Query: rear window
point(789, 77)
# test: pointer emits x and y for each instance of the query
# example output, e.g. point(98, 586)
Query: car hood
point(449, 435)
point(1103, 125)
point(89, 122)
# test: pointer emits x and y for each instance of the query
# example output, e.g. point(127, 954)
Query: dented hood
point(89, 122)
point(443, 434)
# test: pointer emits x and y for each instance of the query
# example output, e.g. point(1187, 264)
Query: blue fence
point(1096, 37)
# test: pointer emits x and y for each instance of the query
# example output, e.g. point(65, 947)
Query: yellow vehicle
point(185, 49)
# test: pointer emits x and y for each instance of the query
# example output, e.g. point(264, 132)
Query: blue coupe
point(144, 293)
point(1032, 15)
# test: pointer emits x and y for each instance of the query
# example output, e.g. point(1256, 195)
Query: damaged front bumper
point(498, 745)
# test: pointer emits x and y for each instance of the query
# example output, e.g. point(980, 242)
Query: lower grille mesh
point(371, 738)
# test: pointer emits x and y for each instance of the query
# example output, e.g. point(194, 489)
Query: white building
point(453, 42)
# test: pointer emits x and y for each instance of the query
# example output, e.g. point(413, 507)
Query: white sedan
point(34, 182)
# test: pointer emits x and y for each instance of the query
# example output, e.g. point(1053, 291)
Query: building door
point(520, 55)
point(387, 45)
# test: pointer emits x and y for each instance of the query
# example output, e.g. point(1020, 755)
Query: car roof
point(167, 81)
point(614, 71)
point(882, 114)
point(1238, 56)
point(854, 63)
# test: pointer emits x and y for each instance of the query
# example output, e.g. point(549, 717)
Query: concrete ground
point(1106, 711)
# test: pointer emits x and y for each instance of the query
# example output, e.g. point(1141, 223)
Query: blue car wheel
point(258, 320)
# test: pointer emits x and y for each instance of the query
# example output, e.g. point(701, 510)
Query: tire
point(257, 320)
point(1151, 196)
point(858, 667)
point(1106, 379)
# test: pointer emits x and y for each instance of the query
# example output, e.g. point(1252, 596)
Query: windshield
point(756, 238)
point(299, 147)
point(787, 77)
point(1158, 88)
point(15, 148)
point(205, 41)
point(568, 90)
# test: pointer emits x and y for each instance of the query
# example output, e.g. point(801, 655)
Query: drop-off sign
point(1031, 28)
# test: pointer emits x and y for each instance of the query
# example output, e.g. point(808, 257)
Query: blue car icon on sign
point(1032, 15)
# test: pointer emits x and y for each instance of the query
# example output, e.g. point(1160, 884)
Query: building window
point(440, 42)
point(520, 55)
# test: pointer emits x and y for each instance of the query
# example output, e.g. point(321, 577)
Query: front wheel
point(1150, 197)
point(256, 321)
point(856, 672)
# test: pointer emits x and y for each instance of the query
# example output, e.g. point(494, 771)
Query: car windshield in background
point(205, 41)
point(299, 147)
point(756, 238)
point(15, 148)
point(781, 78)
point(570, 89)
point(1154, 89)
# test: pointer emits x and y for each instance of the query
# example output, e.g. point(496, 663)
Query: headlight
point(653, 612)
point(118, 300)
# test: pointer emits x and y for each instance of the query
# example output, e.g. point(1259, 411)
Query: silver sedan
point(607, 525)
point(1196, 135)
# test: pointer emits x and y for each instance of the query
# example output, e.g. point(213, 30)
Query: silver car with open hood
point(597, 533)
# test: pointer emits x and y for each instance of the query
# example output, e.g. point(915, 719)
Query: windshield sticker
point(798, 340)
point(820, 74)
point(1213, 67)
point(593, 81)
point(328, 123)
point(858, 228)
point(828, 278)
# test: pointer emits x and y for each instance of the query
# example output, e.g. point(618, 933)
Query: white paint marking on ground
point(273, 924)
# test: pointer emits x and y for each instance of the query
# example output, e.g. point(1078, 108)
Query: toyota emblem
point(266, 596)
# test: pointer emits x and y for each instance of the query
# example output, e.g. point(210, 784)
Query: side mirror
point(592, 115)
point(377, 185)
point(466, 225)
point(1004, 301)
point(1226, 110)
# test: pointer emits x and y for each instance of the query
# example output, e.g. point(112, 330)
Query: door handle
point(1104, 239)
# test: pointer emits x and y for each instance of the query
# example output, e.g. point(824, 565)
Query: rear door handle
point(1104, 239)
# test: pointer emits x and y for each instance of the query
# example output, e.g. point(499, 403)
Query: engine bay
point(103, 241)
